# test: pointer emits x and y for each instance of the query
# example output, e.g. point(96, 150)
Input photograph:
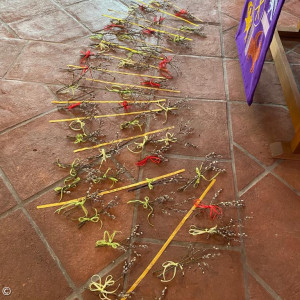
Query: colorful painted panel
point(253, 39)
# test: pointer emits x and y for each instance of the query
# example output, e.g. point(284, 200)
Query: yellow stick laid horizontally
point(108, 101)
point(112, 115)
point(166, 244)
point(119, 72)
point(133, 85)
point(124, 139)
point(114, 190)
point(150, 28)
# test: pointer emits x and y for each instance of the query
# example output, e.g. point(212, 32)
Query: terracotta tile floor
point(45, 256)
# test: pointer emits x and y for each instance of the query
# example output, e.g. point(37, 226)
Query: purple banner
point(253, 39)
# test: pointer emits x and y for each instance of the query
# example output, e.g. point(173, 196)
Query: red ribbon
point(163, 67)
point(214, 209)
point(154, 159)
point(107, 27)
point(181, 13)
point(141, 7)
point(150, 83)
point(125, 105)
point(148, 31)
point(74, 105)
point(87, 54)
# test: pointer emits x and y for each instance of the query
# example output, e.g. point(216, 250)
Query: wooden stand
point(291, 149)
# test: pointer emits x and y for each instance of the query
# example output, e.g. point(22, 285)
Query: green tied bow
point(197, 231)
point(168, 265)
point(97, 286)
point(108, 240)
point(146, 205)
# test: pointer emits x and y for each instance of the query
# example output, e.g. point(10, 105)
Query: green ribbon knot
point(108, 240)
point(97, 286)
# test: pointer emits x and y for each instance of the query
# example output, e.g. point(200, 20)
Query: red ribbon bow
point(181, 13)
point(148, 31)
point(125, 105)
point(150, 83)
point(107, 27)
point(214, 209)
point(154, 159)
point(74, 105)
point(87, 54)
point(163, 67)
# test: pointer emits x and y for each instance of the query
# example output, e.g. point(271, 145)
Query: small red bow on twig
point(181, 13)
point(154, 159)
point(148, 31)
point(214, 209)
point(150, 83)
point(74, 105)
point(86, 54)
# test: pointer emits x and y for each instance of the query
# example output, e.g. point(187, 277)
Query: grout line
point(263, 284)
point(37, 229)
point(70, 15)
point(13, 127)
point(185, 244)
point(230, 135)
point(285, 183)
point(9, 29)
point(199, 158)
point(16, 59)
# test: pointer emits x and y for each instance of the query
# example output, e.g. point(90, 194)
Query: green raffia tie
point(108, 240)
point(139, 145)
point(131, 123)
point(97, 286)
point(167, 265)
point(149, 182)
point(165, 109)
point(197, 231)
point(77, 203)
point(168, 139)
point(146, 205)
point(73, 124)
point(200, 175)
point(125, 94)
point(93, 219)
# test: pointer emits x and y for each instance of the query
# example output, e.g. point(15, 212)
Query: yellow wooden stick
point(118, 72)
point(108, 101)
point(114, 190)
point(121, 58)
point(150, 28)
point(133, 85)
point(124, 139)
point(112, 115)
point(166, 244)
point(167, 13)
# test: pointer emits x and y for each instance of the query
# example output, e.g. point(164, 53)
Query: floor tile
point(76, 247)
point(207, 74)
point(228, 22)
point(256, 291)
point(54, 26)
point(201, 117)
point(291, 7)
point(255, 128)
point(93, 16)
point(287, 19)
point(246, 168)
point(42, 143)
point(228, 264)
point(21, 101)
point(205, 10)
point(44, 62)
point(230, 49)
point(268, 89)
point(7, 200)
point(9, 51)
point(6, 33)
point(26, 266)
point(15, 10)
point(233, 8)
point(289, 171)
point(270, 202)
